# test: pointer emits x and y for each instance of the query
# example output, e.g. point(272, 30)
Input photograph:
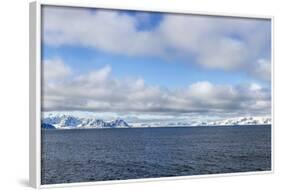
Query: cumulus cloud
point(55, 69)
point(109, 31)
point(214, 42)
point(262, 69)
point(98, 91)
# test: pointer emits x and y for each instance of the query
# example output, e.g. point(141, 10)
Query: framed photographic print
point(120, 94)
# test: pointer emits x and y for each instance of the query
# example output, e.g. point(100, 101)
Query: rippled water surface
point(110, 154)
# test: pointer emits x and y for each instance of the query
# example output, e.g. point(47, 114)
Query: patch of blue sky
point(145, 20)
point(236, 36)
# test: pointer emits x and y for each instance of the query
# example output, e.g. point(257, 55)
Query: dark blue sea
point(83, 155)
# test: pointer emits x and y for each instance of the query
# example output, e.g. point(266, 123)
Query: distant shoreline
point(75, 128)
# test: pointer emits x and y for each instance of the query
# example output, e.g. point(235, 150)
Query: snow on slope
point(223, 122)
point(62, 121)
point(243, 121)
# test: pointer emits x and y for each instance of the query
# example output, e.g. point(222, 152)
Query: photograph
point(132, 94)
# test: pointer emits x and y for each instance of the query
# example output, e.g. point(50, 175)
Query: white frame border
point(35, 89)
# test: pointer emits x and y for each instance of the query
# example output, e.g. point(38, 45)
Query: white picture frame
point(36, 86)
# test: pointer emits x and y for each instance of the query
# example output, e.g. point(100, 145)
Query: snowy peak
point(239, 121)
point(242, 121)
point(68, 122)
point(61, 121)
point(120, 123)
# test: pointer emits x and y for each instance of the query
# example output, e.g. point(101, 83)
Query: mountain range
point(69, 122)
point(239, 121)
point(62, 121)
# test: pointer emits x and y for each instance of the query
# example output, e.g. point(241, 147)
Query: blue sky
point(171, 63)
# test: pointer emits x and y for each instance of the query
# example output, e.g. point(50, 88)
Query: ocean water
point(84, 155)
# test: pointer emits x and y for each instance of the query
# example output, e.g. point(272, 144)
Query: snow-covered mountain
point(242, 121)
point(238, 121)
point(68, 122)
point(62, 121)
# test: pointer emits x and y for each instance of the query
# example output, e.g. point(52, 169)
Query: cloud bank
point(98, 91)
point(213, 42)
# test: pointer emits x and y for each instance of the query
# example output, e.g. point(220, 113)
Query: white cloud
point(105, 30)
point(55, 69)
point(98, 91)
point(95, 77)
point(214, 42)
point(255, 87)
point(262, 69)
